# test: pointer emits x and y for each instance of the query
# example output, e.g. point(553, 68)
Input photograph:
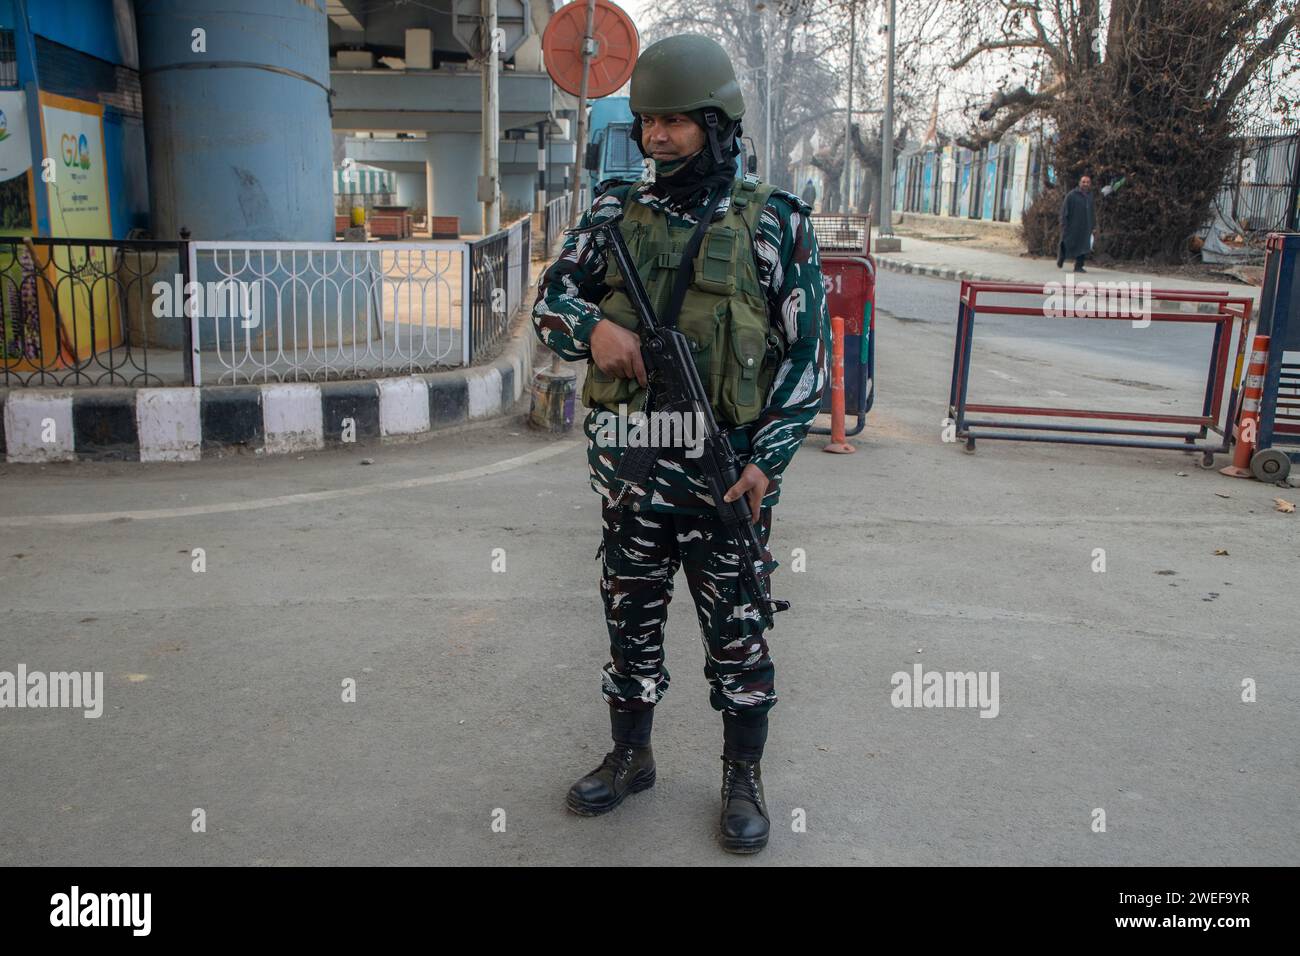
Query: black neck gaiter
point(688, 183)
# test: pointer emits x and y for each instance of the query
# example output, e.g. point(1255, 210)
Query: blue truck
point(611, 154)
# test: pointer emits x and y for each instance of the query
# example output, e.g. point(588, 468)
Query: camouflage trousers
point(642, 551)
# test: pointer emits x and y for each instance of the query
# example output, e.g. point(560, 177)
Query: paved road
point(478, 691)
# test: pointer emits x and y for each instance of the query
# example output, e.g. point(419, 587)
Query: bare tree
point(805, 44)
point(795, 42)
point(1150, 90)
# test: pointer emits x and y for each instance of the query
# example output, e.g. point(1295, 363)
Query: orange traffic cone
point(838, 445)
point(1248, 420)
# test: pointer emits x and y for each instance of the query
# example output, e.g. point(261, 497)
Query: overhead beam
point(343, 17)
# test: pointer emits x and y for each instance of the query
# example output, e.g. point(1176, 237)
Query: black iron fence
point(499, 276)
point(1262, 187)
point(101, 312)
point(557, 220)
point(83, 311)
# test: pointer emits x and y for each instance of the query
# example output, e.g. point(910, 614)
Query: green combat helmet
point(685, 74)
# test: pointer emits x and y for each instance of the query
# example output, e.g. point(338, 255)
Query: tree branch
point(1053, 51)
point(1258, 56)
point(988, 45)
point(1001, 100)
point(981, 139)
point(1254, 15)
point(1021, 103)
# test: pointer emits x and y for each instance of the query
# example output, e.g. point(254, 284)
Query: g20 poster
point(79, 308)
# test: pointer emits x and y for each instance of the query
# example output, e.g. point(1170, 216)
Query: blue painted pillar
point(452, 166)
point(411, 190)
point(239, 132)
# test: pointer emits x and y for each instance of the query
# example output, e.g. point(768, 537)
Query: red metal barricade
point(849, 274)
point(1224, 313)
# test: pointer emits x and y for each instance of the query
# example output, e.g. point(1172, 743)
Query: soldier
point(755, 315)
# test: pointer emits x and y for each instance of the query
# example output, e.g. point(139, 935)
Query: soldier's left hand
point(753, 485)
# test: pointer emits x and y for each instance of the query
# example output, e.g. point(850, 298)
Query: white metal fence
point(299, 311)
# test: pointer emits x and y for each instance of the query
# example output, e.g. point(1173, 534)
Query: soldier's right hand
point(617, 351)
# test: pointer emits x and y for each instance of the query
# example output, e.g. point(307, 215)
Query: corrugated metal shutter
point(70, 72)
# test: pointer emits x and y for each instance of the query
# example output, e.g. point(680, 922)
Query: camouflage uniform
point(642, 552)
point(672, 521)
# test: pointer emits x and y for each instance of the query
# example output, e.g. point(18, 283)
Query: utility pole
point(888, 243)
point(588, 51)
point(767, 98)
point(489, 182)
point(556, 385)
point(767, 137)
point(848, 112)
point(539, 204)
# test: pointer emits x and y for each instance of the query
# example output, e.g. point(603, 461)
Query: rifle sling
point(686, 271)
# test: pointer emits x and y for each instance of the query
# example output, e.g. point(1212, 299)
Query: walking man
point(1078, 223)
point(809, 195)
point(752, 305)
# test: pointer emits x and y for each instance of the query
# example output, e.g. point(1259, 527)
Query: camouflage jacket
point(565, 312)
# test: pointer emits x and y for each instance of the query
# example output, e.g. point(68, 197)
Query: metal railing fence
point(82, 311)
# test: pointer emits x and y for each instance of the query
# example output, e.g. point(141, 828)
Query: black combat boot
point(628, 768)
point(624, 770)
point(744, 820)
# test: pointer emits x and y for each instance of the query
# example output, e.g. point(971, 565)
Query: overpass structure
point(407, 96)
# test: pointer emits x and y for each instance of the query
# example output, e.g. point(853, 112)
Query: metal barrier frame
point(845, 235)
point(1228, 310)
point(1282, 276)
point(867, 370)
point(847, 238)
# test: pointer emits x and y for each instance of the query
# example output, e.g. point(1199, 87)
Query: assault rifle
point(675, 386)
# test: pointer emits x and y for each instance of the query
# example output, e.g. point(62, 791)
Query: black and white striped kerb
point(186, 424)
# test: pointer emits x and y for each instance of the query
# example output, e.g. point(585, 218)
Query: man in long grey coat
point(809, 194)
point(1078, 223)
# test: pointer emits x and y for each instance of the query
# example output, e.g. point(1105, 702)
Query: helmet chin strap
point(712, 129)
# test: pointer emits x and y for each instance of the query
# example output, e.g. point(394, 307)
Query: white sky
point(633, 8)
point(977, 80)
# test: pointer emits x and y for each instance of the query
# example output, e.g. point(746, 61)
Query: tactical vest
point(724, 314)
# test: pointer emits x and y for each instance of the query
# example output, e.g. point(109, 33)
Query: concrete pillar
point(237, 118)
point(411, 189)
point(452, 163)
point(539, 204)
point(1020, 180)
